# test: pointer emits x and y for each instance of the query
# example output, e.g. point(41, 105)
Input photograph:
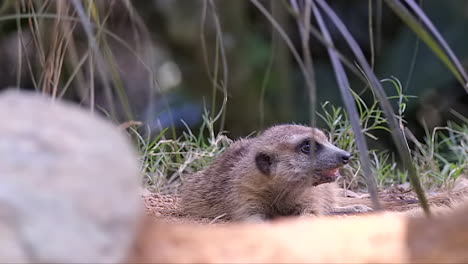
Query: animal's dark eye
point(305, 148)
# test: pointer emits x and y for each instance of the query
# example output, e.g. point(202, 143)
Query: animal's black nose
point(345, 157)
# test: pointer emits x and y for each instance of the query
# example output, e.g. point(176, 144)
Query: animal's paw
point(351, 209)
point(360, 208)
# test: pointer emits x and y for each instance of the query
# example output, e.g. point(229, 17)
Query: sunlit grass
point(165, 161)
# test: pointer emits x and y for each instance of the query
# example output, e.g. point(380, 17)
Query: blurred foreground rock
point(381, 238)
point(69, 183)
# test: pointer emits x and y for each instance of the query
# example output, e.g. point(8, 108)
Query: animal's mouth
point(329, 175)
point(333, 173)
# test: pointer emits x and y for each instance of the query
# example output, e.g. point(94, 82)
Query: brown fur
point(265, 177)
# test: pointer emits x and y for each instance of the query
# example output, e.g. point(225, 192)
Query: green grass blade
point(397, 133)
point(431, 36)
point(350, 104)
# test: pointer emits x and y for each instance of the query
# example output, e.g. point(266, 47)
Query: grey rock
point(68, 183)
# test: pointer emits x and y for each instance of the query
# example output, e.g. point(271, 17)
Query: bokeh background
point(159, 60)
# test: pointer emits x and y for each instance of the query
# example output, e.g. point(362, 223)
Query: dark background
point(167, 37)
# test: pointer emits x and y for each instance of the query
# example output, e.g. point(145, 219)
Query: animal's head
point(299, 154)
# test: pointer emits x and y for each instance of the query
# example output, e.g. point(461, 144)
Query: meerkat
point(268, 176)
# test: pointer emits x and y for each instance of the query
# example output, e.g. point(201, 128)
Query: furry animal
point(287, 170)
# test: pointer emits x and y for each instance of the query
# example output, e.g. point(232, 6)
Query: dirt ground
point(397, 199)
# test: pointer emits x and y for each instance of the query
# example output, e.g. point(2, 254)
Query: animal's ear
point(264, 162)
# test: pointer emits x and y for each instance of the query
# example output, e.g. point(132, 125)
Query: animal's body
point(281, 172)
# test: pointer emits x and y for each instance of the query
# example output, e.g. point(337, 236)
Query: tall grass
point(64, 49)
point(165, 161)
point(439, 160)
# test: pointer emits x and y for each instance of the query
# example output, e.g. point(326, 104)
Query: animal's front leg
point(248, 212)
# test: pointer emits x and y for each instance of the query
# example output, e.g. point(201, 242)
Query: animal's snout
point(344, 157)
